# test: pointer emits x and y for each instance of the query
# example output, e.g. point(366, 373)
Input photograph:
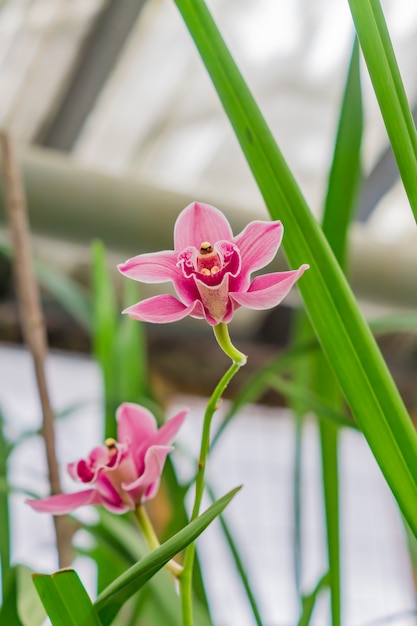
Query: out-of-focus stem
point(32, 324)
point(152, 540)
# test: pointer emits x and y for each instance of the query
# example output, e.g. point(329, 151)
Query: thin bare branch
point(33, 325)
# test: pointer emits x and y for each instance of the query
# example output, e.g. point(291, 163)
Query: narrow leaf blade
point(104, 331)
point(345, 337)
point(65, 599)
point(111, 599)
point(383, 69)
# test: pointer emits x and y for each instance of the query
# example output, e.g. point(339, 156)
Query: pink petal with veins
point(65, 502)
point(166, 434)
point(156, 267)
point(111, 496)
point(135, 424)
point(200, 222)
point(86, 470)
point(268, 290)
point(144, 485)
point(164, 309)
point(258, 244)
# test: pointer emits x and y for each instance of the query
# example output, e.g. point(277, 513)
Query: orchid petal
point(110, 496)
point(156, 267)
point(168, 431)
point(200, 222)
point(118, 508)
point(186, 289)
point(86, 470)
point(258, 244)
point(268, 290)
point(135, 424)
point(163, 436)
point(164, 309)
point(154, 464)
point(66, 502)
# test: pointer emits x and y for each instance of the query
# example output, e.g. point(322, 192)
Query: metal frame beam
point(96, 60)
point(69, 202)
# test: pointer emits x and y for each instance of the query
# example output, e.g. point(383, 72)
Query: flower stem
point(152, 540)
point(221, 332)
point(212, 406)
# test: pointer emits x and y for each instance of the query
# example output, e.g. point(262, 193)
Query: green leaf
point(338, 211)
point(117, 536)
point(240, 568)
point(386, 79)
point(65, 599)
point(329, 445)
point(311, 401)
point(344, 335)
point(69, 294)
point(8, 611)
point(104, 332)
point(121, 539)
point(397, 323)
point(111, 599)
point(30, 609)
point(309, 601)
point(301, 376)
point(130, 353)
point(345, 170)
point(176, 494)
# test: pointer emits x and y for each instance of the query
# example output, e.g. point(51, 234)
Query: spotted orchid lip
point(198, 265)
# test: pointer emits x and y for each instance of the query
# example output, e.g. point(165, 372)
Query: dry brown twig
point(33, 325)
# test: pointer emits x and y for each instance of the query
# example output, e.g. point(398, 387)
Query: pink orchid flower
point(122, 473)
point(211, 269)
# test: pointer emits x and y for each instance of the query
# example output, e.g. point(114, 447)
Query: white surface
point(256, 450)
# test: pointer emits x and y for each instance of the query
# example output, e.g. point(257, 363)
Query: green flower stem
point(221, 332)
point(239, 359)
point(152, 540)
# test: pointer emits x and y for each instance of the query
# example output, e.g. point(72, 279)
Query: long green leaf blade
point(310, 400)
point(338, 322)
point(111, 599)
point(65, 599)
point(130, 353)
point(345, 170)
point(9, 609)
point(310, 599)
point(329, 443)
point(29, 606)
point(338, 210)
point(70, 295)
point(116, 536)
point(238, 563)
point(104, 332)
point(379, 55)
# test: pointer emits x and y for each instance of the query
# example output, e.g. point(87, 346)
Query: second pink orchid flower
point(122, 474)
